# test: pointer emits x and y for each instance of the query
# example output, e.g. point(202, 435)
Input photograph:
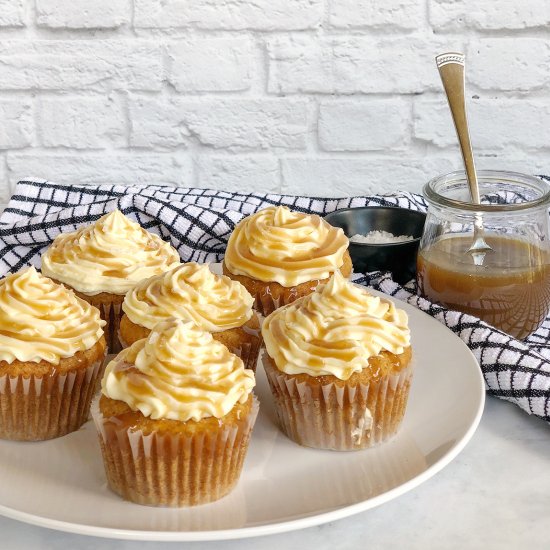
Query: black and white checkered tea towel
point(198, 223)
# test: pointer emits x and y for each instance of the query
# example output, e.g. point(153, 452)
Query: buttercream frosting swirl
point(179, 372)
point(111, 255)
point(43, 321)
point(193, 293)
point(290, 248)
point(334, 331)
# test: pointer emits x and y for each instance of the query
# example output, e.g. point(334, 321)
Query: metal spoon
point(451, 70)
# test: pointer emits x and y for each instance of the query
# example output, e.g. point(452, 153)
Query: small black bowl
point(397, 257)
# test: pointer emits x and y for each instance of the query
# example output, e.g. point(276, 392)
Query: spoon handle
point(451, 70)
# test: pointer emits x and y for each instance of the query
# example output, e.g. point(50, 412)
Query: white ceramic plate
point(60, 484)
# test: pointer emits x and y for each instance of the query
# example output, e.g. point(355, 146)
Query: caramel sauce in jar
point(510, 290)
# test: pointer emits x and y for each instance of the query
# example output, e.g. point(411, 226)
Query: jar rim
point(501, 176)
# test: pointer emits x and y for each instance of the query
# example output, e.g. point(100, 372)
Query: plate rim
point(279, 526)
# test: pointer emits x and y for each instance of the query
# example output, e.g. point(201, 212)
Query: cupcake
point(51, 356)
point(103, 261)
point(192, 292)
point(339, 367)
point(280, 255)
point(175, 417)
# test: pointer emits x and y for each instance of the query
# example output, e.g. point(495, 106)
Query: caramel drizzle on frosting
point(193, 293)
point(334, 331)
point(112, 255)
point(43, 321)
point(290, 248)
point(178, 372)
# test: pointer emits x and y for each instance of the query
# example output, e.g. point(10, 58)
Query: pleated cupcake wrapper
point(36, 408)
point(112, 313)
point(248, 352)
point(328, 416)
point(170, 469)
point(266, 303)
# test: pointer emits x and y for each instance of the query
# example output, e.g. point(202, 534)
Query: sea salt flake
point(380, 237)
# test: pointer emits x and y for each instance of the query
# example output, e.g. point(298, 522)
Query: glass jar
point(510, 289)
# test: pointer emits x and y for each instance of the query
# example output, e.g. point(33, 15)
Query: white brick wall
point(261, 15)
point(12, 13)
point(82, 14)
point(210, 64)
point(81, 122)
point(324, 97)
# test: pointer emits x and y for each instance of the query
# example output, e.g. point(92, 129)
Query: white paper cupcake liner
point(266, 303)
point(111, 313)
point(249, 351)
point(170, 469)
point(36, 408)
point(342, 418)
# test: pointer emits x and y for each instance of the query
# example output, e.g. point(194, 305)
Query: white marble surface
point(495, 494)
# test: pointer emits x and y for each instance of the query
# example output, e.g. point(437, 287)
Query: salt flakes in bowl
point(380, 237)
point(383, 238)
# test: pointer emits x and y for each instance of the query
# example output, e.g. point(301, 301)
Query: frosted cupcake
point(51, 355)
point(280, 255)
point(339, 367)
point(103, 261)
point(175, 417)
point(191, 292)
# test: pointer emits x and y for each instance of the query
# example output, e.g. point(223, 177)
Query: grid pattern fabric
point(198, 223)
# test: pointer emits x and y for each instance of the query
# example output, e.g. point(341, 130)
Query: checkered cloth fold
point(198, 223)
